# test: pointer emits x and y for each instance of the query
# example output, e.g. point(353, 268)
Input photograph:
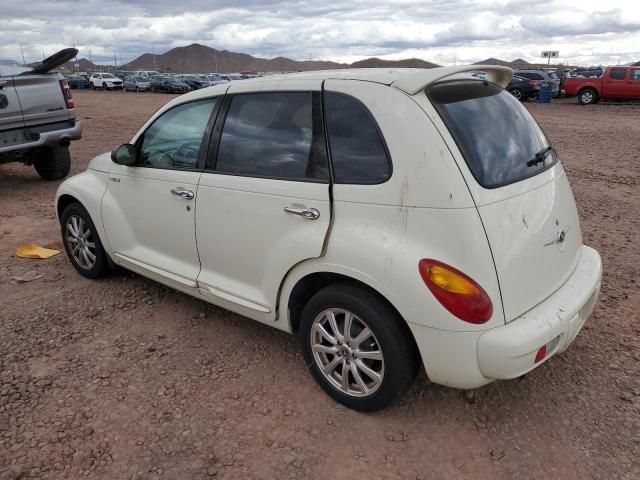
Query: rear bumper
point(472, 359)
point(509, 351)
point(48, 138)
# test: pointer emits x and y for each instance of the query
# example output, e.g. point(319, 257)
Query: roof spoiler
point(420, 79)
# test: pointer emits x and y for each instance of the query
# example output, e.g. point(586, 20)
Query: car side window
point(635, 74)
point(273, 135)
point(174, 139)
point(358, 152)
point(618, 73)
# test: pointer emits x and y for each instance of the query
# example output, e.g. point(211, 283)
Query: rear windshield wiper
point(540, 156)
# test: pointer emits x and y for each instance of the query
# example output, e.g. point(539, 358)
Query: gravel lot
point(123, 378)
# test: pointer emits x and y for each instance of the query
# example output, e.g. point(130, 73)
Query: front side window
point(358, 153)
point(174, 139)
point(273, 135)
point(618, 73)
point(498, 138)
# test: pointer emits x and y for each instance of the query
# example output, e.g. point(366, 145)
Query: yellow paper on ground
point(34, 251)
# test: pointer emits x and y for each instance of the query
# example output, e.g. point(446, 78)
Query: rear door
point(615, 83)
point(634, 83)
point(41, 98)
point(10, 110)
point(520, 189)
point(263, 204)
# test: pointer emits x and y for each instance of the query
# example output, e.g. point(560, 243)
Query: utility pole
point(24, 63)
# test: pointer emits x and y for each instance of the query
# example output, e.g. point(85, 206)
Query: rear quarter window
point(498, 138)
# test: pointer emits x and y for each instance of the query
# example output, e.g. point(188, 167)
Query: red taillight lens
point(534, 84)
point(458, 293)
point(542, 352)
point(66, 93)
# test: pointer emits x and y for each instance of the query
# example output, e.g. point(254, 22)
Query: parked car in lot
point(38, 118)
point(616, 83)
point(146, 73)
point(135, 83)
point(587, 72)
point(218, 79)
point(523, 88)
point(388, 218)
point(195, 82)
point(105, 81)
point(545, 77)
point(78, 81)
point(168, 84)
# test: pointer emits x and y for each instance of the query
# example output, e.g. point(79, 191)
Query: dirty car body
point(388, 218)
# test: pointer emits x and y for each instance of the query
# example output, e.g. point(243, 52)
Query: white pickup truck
point(37, 117)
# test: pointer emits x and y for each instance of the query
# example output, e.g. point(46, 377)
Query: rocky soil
point(125, 379)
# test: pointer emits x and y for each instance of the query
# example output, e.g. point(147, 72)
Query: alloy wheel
point(347, 352)
point(81, 243)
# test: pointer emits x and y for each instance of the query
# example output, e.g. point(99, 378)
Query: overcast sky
point(442, 31)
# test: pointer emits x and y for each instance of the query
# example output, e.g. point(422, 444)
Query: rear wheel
point(81, 242)
point(92, 86)
point(588, 96)
point(357, 347)
point(517, 93)
point(53, 163)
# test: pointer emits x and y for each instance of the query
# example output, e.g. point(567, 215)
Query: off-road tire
point(53, 163)
point(401, 359)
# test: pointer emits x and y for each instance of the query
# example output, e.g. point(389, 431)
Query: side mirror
point(125, 155)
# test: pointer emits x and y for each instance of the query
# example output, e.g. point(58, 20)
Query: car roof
point(409, 80)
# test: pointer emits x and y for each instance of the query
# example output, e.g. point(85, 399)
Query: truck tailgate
point(41, 98)
point(10, 111)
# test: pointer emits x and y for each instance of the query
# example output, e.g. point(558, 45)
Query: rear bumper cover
point(472, 359)
point(48, 137)
point(509, 351)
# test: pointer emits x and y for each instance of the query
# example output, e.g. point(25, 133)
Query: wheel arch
point(299, 287)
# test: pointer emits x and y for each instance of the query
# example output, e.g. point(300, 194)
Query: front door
point(263, 205)
point(149, 209)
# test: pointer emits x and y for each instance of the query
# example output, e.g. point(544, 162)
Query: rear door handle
point(308, 213)
point(183, 193)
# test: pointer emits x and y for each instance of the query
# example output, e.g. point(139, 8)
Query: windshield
point(498, 137)
point(107, 75)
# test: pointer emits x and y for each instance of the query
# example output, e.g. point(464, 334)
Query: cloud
point(444, 31)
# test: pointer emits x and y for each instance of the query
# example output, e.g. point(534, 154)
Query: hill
point(518, 62)
point(200, 58)
point(405, 63)
point(84, 65)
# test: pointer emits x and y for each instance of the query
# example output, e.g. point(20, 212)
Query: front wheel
point(357, 347)
point(81, 242)
point(588, 96)
point(53, 163)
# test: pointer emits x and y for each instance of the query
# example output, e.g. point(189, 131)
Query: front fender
point(88, 189)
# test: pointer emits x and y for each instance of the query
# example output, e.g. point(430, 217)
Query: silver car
point(136, 83)
point(545, 77)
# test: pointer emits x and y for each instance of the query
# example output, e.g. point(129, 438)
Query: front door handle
point(183, 193)
point(308, 213)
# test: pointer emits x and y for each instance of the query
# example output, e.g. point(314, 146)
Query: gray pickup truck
point(37, 117)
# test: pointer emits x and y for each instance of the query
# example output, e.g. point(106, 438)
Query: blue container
point(545, 93)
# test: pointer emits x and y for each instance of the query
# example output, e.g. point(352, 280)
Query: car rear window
point(498, 138)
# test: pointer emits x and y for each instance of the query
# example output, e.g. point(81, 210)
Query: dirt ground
point(125, 379)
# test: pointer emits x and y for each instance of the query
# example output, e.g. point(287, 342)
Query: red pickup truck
point(616, 82)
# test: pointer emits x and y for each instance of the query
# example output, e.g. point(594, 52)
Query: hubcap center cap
point(345, 352)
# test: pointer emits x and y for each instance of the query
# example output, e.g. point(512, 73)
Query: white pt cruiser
point(389, 218)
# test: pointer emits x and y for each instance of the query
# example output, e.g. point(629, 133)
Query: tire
point(388, 350)
point(92, 86)
point(75, 221)
point(517, 93)
point(588, 96)
point(137, 89)
point(153, 89)
point(53, 163)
